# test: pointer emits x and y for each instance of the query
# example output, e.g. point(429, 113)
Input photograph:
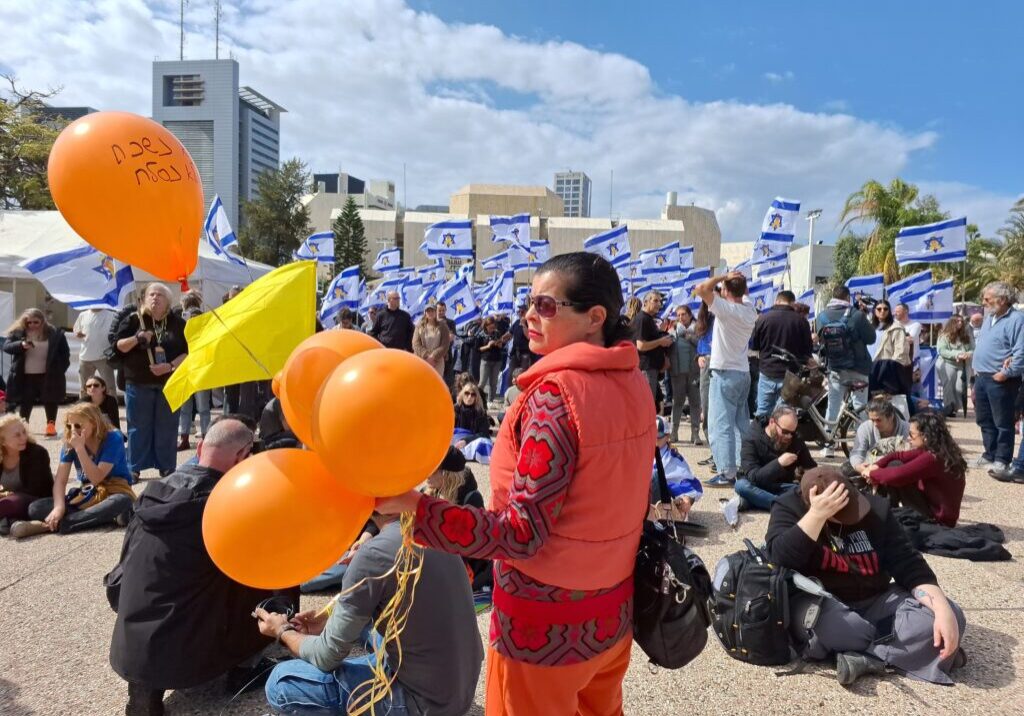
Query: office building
point(232, 132)
point(575, 190)
point(335, 189)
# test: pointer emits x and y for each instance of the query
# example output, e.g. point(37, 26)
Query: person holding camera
point(152, 341)
point(41, 358)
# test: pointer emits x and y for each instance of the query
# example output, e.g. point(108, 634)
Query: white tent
point(28, 234)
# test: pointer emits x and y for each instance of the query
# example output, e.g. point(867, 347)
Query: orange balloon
point(275, 383)
point(127, 186)
point(383, 422)
point(308, 367)
point(279, 518)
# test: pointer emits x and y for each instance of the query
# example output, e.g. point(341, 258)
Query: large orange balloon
point(127, 186)
point(383, 422)
point(279, 518)
point(275, 384)
point(306, 370)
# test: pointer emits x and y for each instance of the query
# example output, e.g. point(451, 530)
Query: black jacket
point(58, 359)
point(780, 326)
point(180, 621)
point(760, 460)
point(868, 556)
point(394, 329)
point(136, 361)
point(34, 471)
point(469, 418)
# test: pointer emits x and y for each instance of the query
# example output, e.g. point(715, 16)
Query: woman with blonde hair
point(105, 496)
point(471, 415)
point(25, 475)
point(431, 340)
point(41, 358)
point(152, 340)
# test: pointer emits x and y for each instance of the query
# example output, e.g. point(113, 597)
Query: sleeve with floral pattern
point(544, 468)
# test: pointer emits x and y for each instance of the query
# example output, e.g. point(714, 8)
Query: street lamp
point(811, 216)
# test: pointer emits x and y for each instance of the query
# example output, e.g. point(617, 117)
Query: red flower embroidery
point(527, 635)
point(457, 526)
point(534, 458)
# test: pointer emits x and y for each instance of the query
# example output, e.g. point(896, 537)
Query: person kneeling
point(856, 548)
point(181, 622)
point(770, 457)
point(437, 669)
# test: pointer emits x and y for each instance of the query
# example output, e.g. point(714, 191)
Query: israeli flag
point(683, 294)
point(518, 257)
point(745, 268)
point(926, 363)
point(522, 295)
point(465, 271)
point(762, 295)
point(319, 247)
point(452, 238)
point(612, 244)
point(941, 242)
point(511, 228)
point(417, 296)
point(774, 266)
point(459, 297)
point(219, 234)
point(780, 219)
point(82, 277)
point(501, 293)
point(433, 273)
point(345, 291)
point(920, 281)
point(498, 262)
point(378, 296)
point(540, 251)
point(808, 299)
point(873, 286)
point(388, 260)
point(685, 258)
point(660, 261)
point(933, 304)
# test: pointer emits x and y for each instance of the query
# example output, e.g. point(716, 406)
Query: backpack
point(750, 608)
point(836, 340)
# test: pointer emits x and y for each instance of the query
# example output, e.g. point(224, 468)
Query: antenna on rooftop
point(181, 23)
point(216, 29)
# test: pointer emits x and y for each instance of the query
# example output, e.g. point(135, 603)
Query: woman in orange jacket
point(580, 432)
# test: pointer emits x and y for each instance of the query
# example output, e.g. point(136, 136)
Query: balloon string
point(239, 340)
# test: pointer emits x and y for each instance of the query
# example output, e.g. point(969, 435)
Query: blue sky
point(729, 104)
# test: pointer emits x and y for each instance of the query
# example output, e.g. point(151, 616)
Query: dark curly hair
point(590, 280)
point(940, 443)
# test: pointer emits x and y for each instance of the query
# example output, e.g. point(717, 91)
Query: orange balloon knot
point(184, 284)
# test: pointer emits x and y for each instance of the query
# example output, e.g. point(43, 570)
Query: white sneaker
point(998, 466)
point(827, 452)
point(731, 510)
point(981, 462)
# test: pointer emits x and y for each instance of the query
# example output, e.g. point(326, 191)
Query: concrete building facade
point(232, 132)
point(576, 189)
point(505, 200)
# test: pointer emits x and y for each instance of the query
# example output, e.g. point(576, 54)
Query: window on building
point(183, 90)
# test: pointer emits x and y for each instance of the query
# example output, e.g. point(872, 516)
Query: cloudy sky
point(727, 104)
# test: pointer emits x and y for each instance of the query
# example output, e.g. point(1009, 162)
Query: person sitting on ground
point(26, 474)
point(441, 654)
point(856, 548)
point(98, 393)
point(460, 382)
point(772, 456)
point(684, 488)
point(470, 416)
point(168, 592)
point(929, 477)
point(274, 429)
point(884, 423)
point(105, 496)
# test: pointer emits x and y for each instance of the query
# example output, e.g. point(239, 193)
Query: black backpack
point(836, 341)
point(671, 592)
point(750, 608)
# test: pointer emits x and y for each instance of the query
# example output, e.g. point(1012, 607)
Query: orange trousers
point(592, 688)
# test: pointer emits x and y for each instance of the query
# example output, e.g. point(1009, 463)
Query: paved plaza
point(56, 625)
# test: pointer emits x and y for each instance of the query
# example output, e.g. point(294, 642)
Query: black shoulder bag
point(671, 591)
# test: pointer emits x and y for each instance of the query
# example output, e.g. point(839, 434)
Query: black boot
point(144, 701)
point(850, 666)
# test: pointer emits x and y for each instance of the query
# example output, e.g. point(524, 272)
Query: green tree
point(276, 222)
point(845, 257)
point(349, 239)
point(25, 142)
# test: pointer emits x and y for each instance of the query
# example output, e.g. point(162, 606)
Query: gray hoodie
point(868, 437)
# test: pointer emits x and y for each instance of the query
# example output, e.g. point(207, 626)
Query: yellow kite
point(251, 336)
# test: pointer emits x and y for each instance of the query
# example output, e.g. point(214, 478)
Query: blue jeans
point(331, 578)
point(200, 401)
point(769, 394)
point(836, 391)
point(760, 498)
point(152, 428)
point(298, 687)
point(728, 417)
point(102, 514)
point(994, 413)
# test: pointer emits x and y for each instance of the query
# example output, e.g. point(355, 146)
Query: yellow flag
point(251, 336)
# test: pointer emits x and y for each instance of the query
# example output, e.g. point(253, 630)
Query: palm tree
point(1011, 255)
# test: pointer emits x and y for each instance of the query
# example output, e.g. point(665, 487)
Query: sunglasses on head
point(546, 306)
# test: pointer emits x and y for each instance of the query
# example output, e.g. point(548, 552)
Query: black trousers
point(31, 396)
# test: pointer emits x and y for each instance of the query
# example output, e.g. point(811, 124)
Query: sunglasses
point(881, 308)
point(92, 385)
point(545, 306)
point(75, 426)
point(33, 322)
point(784, 431)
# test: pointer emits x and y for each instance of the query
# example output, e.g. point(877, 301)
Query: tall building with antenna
point(231, 131)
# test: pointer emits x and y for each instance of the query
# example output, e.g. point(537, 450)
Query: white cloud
point(989, 210)
point(779, 77)
point(372, 84)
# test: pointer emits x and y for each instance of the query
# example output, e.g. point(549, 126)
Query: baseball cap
point(454, 461)
point(821, 477)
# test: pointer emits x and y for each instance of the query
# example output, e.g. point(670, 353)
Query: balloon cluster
point(379, 422)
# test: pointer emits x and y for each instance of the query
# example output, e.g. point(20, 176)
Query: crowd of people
point(554, 556)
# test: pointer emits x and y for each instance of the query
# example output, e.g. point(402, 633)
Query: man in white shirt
point(91, 328)
point(728, 410)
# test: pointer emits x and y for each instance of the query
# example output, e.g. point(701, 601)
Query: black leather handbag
point(671, 591)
